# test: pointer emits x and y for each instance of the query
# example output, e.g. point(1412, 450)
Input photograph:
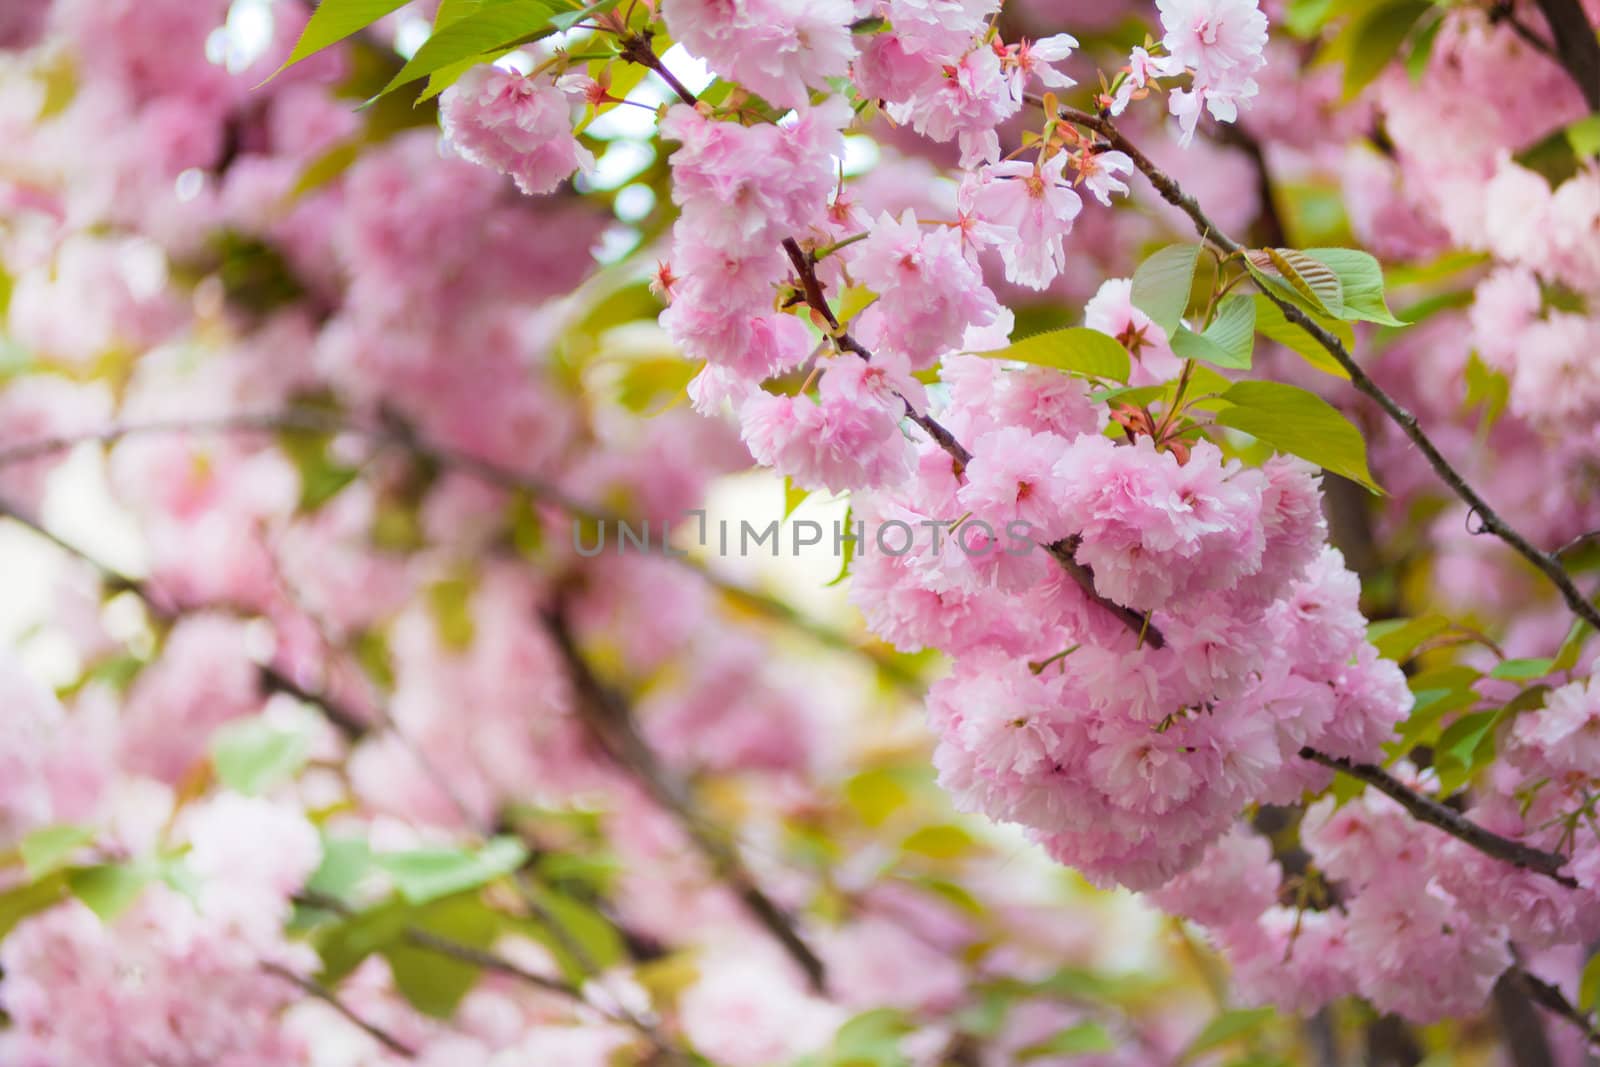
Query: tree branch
point(609, 721)
point(1493, 523)
point(1520, 1025)
point(1427, 810)
point(1061, 551)
point(636, 49)
point(1551, 999)
point(1504, 12)
point(1575, 45)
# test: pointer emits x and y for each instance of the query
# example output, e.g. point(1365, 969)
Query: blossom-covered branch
point(1492, 521)
point(1060, 550)
point(1430, 811)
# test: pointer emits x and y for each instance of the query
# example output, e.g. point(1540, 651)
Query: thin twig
point(609, 720)
point(1427, 810)
point(314, 989)
point(343, 719)
point(1492, 521)
point(1581, 539)
point(636, 49)
point(805, 266)
point(1505, 12)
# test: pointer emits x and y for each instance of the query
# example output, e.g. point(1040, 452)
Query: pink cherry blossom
point(929, 292)
point(1027, 210)
point(778, 48)
point(1221, 41)
point(521, 126)
point(848, 438)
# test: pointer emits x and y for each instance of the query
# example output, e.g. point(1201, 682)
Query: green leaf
point(1436, 693)
point(321, 476)
point(793, 496)
point(452, 11)
point(30, 898)
point(1073, 1041)
point(1462, 738)
point(1227, 1027)
point(1422, 46)
point(1375, 39)
point(433, 982)
point(1137, 395)
point(1304, 18)
point(334, 20)
point(872, 1038)
point(595, 871)
point(489, 28)
point(426, 874)
point(649, 386)
point(1589, 985)
point(1486, 387)
point(1431, 705)
point(876, 794)
point(1584, 136)
point(1551, 157)
point(579, 924)
point(1234, 328)
point(847, 550)
point(942, 842)
point(568, 19)
point(326, 167)
point(1271, 324)
point(1298, 278)
point(1523, 670)
point(252, 755)
point(47, 850)
point(1397, 639)
point(111, 888)
point(1572, 647)
point(1457, 676)
point(1162, 284)
point(1076, 350)
point(1361, 281)
point(1300, 423)
point(450, 600)
point(346, 862)
point(1079, 983)
point(345, 944)
point(1227, 341)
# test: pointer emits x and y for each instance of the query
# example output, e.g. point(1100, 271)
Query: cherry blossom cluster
point(1125, 759)
point(1399, 912)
